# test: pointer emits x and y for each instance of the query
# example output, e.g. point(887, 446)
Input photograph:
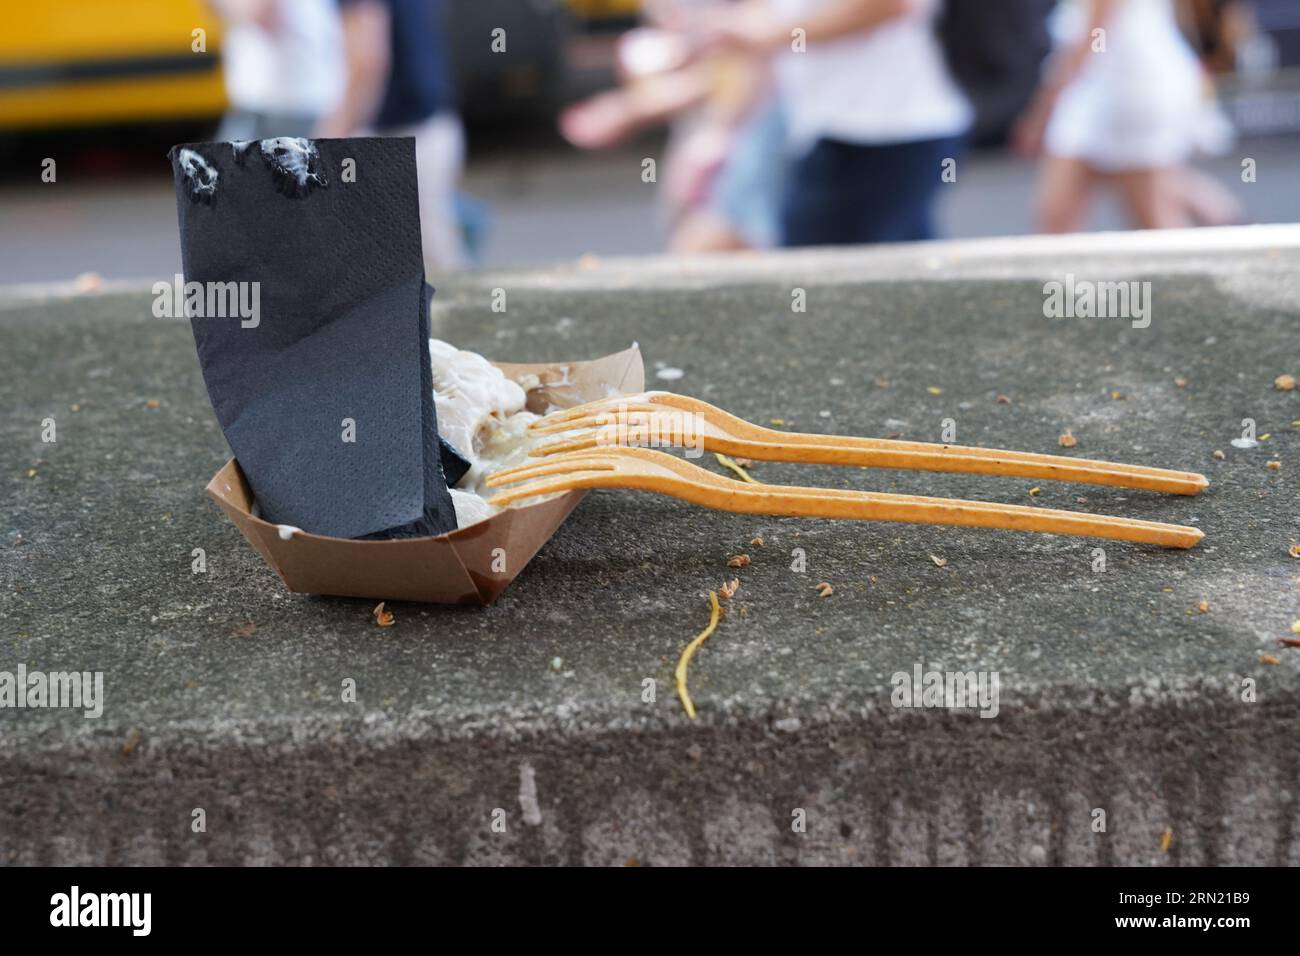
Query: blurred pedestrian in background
point(283, 66)
point(723, 168)
point(1125, 106)
point(1219, 29)
point(399, 84)
point(871, 109)
point(996, 52)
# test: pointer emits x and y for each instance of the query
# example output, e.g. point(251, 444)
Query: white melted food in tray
point(481, 413)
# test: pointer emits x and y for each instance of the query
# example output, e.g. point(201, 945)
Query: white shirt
point(298, 69)
point(887, 85)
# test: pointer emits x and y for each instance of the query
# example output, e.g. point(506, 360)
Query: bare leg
point(1064, 188)
point(1206, 201)
point(703, 231)
point(1151, 197)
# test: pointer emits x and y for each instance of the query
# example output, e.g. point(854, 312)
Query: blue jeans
point(842, 193)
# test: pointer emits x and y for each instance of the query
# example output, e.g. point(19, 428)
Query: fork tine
point(595, 407)
point(533, 489)
point(565, 445)
point(559, 465)
point(623, 435)
point(575, 411)
point(569, 425)
point(594, 419)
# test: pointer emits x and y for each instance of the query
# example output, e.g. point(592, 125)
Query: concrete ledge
point(1116, 691)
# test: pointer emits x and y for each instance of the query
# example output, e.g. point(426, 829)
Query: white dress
point(878, 87)
point(1139, 104)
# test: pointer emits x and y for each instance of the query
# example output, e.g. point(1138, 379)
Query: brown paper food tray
point(454, 568)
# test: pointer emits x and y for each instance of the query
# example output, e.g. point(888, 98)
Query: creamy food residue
point(481, 412)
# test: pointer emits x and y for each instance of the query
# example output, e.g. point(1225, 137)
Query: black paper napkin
point(320, 378)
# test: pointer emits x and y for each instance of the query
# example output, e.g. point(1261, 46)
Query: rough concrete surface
point(1117, 692)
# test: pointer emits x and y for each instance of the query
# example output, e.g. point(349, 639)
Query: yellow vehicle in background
point(77, 63)
point(595, 9)
point(88, 62)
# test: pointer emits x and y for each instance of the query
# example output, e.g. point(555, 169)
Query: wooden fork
point(664, 414)
point(647, 470)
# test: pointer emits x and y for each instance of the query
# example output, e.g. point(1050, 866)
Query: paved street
point(547, 204)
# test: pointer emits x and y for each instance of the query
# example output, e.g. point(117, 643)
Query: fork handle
point(920, 456)
point(915, 509)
